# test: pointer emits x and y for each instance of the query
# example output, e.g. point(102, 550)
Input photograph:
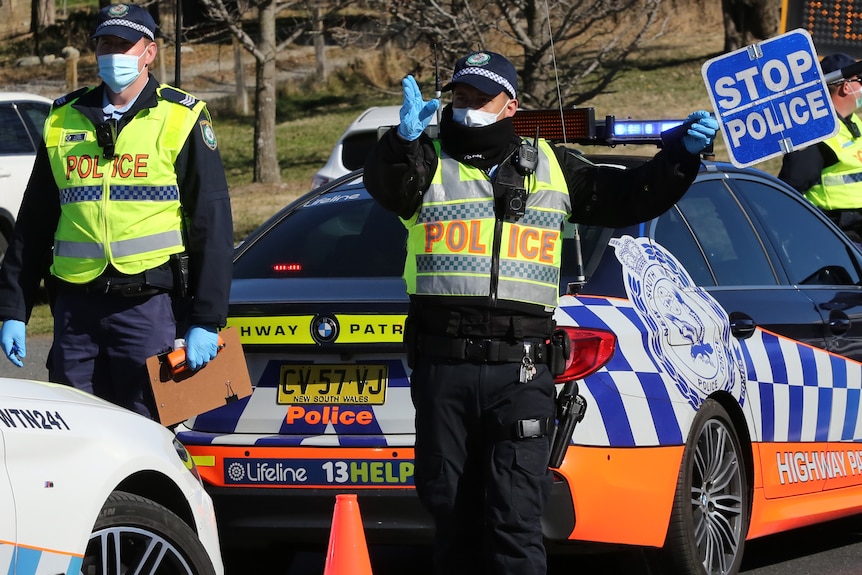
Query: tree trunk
point(43, 13)
point(319, 44)
point(265, 158)
point(241, 104)
point(747, 21)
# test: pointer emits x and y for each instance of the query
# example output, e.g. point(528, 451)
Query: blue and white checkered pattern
point(120, 193)
point(145, 193)
point(493, 76)
point(793, 392)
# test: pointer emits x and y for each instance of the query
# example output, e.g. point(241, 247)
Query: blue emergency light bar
point(625, 131)
point(579, 126)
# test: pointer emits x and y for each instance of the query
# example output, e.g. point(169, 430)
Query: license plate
point(333, 384)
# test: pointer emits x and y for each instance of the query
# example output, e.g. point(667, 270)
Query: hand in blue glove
point(415, 113)
point(12, 336)
point(701, 133)
point(201, 345)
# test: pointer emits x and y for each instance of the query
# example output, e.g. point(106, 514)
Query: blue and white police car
point(717, 347)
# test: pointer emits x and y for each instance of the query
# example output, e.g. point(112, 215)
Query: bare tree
point(567, 50)
point(43, 13)
point(264, 48)
point(746, 21)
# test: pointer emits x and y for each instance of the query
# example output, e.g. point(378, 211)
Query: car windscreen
point(341, 234)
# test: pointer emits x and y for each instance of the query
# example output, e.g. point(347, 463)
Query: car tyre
point(711, 509)
point(133, 534)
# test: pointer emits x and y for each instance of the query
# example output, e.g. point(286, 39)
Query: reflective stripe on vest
point(451, 238)
point(124, 210)
point(840, 185)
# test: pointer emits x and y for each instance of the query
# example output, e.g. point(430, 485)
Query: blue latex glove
point(201, 345)
point(701, 133)
point(415, 113)
point(12, 336)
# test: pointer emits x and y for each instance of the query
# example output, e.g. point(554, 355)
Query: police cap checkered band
point(127, 21)
point(488, 72)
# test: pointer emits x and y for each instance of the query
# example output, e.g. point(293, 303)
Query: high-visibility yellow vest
point(124, 210)
point(451, 239)
point(840, 186)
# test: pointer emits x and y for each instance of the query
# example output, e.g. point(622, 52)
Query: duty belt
point(483, 350)
point(131, 286)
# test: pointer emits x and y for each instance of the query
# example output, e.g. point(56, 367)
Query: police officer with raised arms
point(128, 204)
point(484, 215)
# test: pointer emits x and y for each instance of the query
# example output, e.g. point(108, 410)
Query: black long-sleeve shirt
point(398, 172)
point(206, 205)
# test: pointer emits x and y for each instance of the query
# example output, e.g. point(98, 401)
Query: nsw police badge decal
point(208, 135)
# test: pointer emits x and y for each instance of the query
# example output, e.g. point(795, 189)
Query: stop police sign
point(770, 98)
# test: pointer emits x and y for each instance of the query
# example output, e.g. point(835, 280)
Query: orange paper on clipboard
point(189, 393)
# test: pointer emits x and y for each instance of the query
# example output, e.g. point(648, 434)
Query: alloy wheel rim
point(126, 550)
point(716, 499)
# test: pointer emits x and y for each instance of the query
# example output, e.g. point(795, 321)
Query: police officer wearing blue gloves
point(128, 203)
point(481, 308)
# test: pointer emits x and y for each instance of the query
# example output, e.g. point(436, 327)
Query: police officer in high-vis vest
point(128, 208)
point(482, 271)
point(829, 173)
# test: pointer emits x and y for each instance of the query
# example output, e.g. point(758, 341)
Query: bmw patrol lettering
point(328, 415)
point(124, 165)
point(32, 418)
point(372, 329)
point(267, 330)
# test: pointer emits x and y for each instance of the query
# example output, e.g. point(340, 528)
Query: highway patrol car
point(728, 409)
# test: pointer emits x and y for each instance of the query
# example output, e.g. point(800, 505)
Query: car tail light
point(591, 350)
point(283, 268)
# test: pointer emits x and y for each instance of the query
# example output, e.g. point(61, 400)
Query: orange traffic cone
point(348, 552)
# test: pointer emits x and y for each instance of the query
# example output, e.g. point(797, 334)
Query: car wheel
point(711, 508)
point(136, 535)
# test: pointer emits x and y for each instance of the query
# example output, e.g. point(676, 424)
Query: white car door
point(17, 151)
point(7, 514)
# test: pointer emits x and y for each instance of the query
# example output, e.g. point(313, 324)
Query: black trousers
point(485, 488)
point(102, 342)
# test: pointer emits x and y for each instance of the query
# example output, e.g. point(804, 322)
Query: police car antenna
point(575, 286)
point(556, 72)
point(438, 85)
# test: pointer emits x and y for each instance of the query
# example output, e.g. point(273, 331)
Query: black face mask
point(483, 147)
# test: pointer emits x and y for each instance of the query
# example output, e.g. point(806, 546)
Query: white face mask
point(476, 118)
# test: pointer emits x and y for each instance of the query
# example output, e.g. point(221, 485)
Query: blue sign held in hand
point(770, 98)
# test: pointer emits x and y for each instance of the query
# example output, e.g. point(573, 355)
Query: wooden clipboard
point(223, 380)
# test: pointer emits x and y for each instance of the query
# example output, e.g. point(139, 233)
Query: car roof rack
point(580, 126)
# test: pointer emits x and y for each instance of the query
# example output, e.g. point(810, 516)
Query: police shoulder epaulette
point(178, 96)
point(63, 100)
